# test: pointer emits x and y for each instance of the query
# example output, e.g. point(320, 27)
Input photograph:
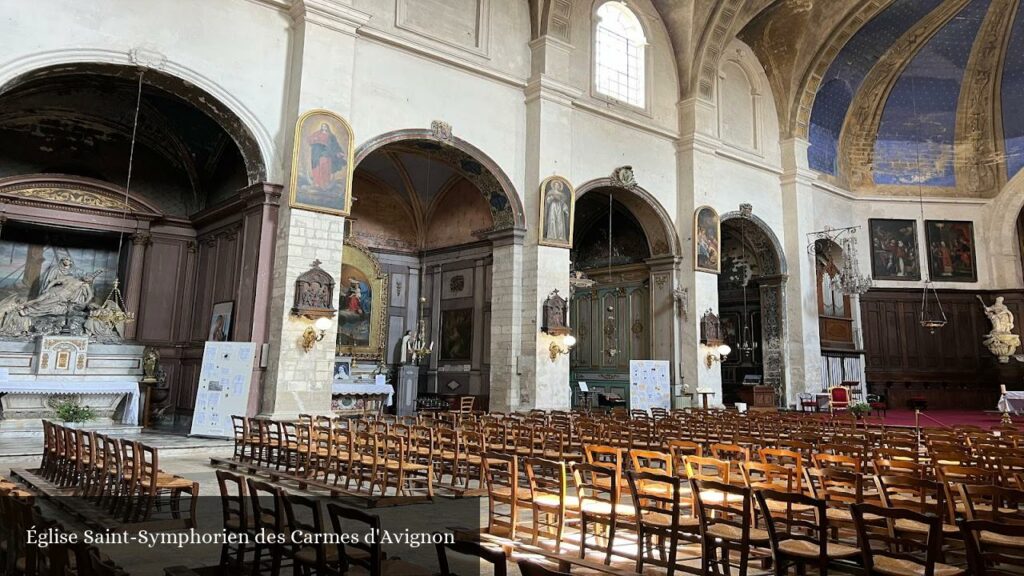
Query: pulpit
point(764, 397)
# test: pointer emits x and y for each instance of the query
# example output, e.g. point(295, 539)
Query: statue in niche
point(1001, 340)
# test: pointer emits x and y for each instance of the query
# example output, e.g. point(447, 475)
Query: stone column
point(665, 318)
point(803, 345)
point(132, 290)
point(506, 320)
point(322, 66)
point(694, 153)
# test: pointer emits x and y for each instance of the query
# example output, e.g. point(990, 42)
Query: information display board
point(223, 387)
point(649, 385)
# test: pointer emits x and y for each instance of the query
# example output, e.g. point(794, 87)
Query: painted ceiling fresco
point(923, 50)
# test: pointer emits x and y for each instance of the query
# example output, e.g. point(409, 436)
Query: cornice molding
point(331, 14)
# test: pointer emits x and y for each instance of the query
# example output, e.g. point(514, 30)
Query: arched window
point(619, 44)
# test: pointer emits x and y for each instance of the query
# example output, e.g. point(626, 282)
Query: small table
point(704, 397)
point(1012, 401)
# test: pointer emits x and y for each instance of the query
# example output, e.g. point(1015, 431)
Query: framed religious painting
point(322, 163)
point(951, 254)
point(557, 210)
point(456, 334)
point(220, 321)
point(362, 305)
point(707, 240)
point(894, 250)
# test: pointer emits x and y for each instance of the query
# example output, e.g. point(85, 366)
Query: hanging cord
point(131, 163)
point(931, 323)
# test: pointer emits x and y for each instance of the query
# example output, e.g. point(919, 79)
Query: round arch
point(655, 221)
point(1003, 214)
point(497, 188)
point(774, 270)
point(253, 140)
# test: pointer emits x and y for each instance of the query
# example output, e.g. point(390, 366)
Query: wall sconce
point(711, 339)
point(315, 333)
point(717, 354)
point(568, 340)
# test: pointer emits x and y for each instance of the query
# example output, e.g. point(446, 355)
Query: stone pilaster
point(545, 382)
point(694, 154)
point(322, 66)
point(506, 319)
point(803, 345)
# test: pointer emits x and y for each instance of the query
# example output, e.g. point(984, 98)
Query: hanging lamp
point(609, 324)
point(932, 316)
point(747, 343)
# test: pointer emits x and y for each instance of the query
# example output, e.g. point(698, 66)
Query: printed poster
point(223, 387)
point(649, 385)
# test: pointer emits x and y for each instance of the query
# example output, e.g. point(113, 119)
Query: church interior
point(537, 287)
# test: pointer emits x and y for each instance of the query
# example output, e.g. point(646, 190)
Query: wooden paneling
point(950, 367)
point(164, 282)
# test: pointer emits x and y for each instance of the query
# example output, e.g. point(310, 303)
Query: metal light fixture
point(610, 324)
point(851, 281)
point(568, 341)
point(315, 333)
point(711, 339)
point(747, 342)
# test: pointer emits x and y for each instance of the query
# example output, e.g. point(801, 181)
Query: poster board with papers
point(223, 387)
point(649, 385)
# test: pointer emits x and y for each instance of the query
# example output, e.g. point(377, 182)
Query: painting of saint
point(322, 163)
point(557, 205)
point(362, 304)
point(354, 312)
point(894, 252)
point(951, 251)
point(707, 234)
point(456, 334)
point(220, 321)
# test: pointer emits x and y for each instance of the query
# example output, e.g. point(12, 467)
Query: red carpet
point(942, 418)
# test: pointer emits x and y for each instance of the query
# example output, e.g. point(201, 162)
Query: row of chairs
point(122, 477)
point(19, 557)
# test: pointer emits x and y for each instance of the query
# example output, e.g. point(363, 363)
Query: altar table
point(1013, 401)
point(82, 386)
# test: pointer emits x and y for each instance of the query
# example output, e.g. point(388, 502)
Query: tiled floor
point(33, 446)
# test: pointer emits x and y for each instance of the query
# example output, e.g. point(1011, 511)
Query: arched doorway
point(629, 312)
point(751, 305)
point(427, 210)
point(189, 238)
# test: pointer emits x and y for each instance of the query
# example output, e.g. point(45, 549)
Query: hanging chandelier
point(747, 343)
point(850, 279)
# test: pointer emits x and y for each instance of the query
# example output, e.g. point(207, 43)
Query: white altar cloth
point(359, 389)
point(73, 385)
point(1013, 401)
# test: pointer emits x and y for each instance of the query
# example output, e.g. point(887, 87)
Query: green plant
point(860, 409)
point(69, 410)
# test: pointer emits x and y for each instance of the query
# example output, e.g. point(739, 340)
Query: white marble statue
point(12, 323)
point(1001, 340)
point(103, 323)
point(61, 291)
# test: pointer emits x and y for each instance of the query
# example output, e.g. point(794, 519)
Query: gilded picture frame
point(362, 317)
point(952, 256)
point(557, 212)
point(707, 240)
point(323, 154)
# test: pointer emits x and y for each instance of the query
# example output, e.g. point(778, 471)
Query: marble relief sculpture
point(1001, 340)
point(64, 305)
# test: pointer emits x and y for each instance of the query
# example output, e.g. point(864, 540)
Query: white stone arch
point(765, 122)
point(11, 70)
point(1001, 214)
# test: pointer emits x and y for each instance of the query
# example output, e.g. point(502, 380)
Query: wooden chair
point(920, 496)
point(548, 498)
point(401, 467)
point(848, 463)
point(240, 428)
point(268, 516)
point(317, 555)
point(657, 502)
point(726, 524)
point(798, 532)
point(236, 518)
point(993, 548)
point(466, 404)
point(597, 488)
point(364, 556)
point(153, 483)
point(344, 457)
point(534, 568)
point(995, 503)
point(501, 473)
point(886, 551)
point(475, 551)
point(838, 398)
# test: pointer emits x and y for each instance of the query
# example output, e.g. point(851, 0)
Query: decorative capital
point(142, 239)
point(746, 210)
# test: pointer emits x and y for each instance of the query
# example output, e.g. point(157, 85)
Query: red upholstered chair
point(838, 398)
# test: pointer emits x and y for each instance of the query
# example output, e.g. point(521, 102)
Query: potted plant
point(69, 410)
point(860, 409)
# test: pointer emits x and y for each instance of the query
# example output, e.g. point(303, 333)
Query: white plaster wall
point(235, 50)
point(395, 90)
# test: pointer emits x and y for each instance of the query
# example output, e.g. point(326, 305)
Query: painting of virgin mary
point(322, 164)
